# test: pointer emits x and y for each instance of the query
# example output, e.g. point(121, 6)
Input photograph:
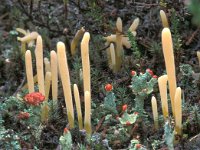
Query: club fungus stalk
point(198, 55)
point(155, 111)
point(20, 30)
point(178, 112)
point(134, 25)
point(27, 39)
point(162, 82)
point(47, 65)
point(86, 81)
point(47, 84)
point(112, 55)
point(119, 24)
point(164, 19)
point(167, 46)
point(86, 62)
point(120, 40)
point(45, 112)
point(119, 47)
point(76, 39)
point(125, 40)
point(29, 71)
point(78, 107)
point(65, 79)
point(87, 121)
point(54, 74)
point(39, 64)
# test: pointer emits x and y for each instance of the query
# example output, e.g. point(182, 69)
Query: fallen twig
point(3, 16)
point(20, 86)
point(192, 36)
point(100, 123)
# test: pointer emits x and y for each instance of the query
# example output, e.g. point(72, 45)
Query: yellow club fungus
point(47, 65)
point(86, 62)
point(164, 19)
point(29, 71)
point(167, 46)
point(54, 74)
point(64, 74)
point(134, 25)
point(178, 111)
point(78, 106)
point(39, 64)
point(162, 82)
point(76, 39)
point(87, 121)
point(155, 111)
point(47, 84)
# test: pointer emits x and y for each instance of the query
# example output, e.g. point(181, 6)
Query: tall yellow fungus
point(167, 46)
point(164, 19)
point(47, 65)
point(76, 39)
point(54, 74)
point(162, 82)
point(198, 55)
point(47, 84)
point(155, 111)
point(178, 111)
point(39, 64)
point(112, 55)
point(119, 48)
point(86, 62)
point(78, 106)
point(134, 25)
point(87, 120)
point(29, 71)
point(64, 74)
